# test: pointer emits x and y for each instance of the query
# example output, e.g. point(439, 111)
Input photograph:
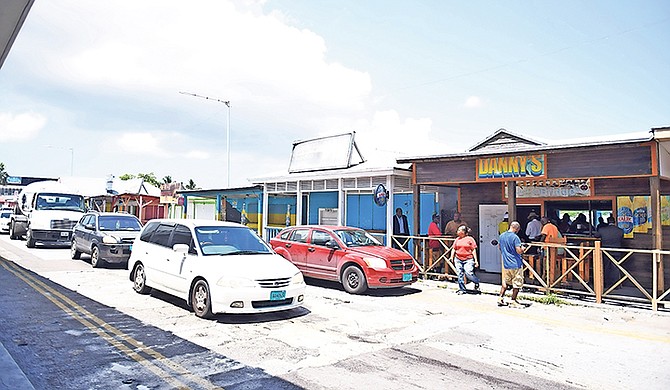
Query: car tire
point(74, 253)
point(201, 299)
point(353, 280)
point(12, 232)
point(96, 261)
point(140, 280)
point(30, 241)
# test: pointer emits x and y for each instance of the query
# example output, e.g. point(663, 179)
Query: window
point(319, 237)
point(181, 235)
point(162, 235)
point(300, 235)
point(148, 231)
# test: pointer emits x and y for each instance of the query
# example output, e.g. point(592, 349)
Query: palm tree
point(167, 179)
point(191, 185)
point(3, 175)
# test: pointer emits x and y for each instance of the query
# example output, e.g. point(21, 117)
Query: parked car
point(217, 267)
point(107, 237)
point(347, 255)
point(5, 217)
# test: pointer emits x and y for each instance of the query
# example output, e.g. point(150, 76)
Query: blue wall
point(320, 200)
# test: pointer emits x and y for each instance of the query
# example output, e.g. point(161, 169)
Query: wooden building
point(511, 173)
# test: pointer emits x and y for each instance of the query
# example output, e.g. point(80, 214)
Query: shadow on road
point(371, 292)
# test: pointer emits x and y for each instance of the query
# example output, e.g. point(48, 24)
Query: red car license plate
point(406, 277)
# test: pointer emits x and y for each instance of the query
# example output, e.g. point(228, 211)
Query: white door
point(490, 215)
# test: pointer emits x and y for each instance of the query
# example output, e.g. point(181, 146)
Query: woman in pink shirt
point(464, 256)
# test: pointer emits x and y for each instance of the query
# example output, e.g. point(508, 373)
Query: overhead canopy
point(12, 16)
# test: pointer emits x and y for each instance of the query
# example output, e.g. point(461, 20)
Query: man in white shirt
point(534, 227)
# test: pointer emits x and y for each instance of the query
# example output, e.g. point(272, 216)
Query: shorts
point(512, 276)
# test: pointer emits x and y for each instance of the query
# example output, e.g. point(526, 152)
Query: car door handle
point(288, 245)
point(311, 249)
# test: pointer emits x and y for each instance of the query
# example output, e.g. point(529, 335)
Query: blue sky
point(100, 81)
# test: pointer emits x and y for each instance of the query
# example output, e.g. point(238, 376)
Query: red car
point(347, 255)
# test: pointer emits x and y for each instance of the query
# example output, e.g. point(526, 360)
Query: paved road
point(425, 337)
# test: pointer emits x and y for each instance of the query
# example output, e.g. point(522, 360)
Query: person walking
point(464, 256)
point(400, 228)
point(512, 272)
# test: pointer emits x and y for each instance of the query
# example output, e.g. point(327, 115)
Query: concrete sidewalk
point(11, 375)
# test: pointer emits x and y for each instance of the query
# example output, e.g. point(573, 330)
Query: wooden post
point(416, 195)
point(598, 277)
point(656, 226)
point(511, 200)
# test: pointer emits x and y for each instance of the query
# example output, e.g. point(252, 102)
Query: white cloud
point(20, 127)
point(473, 102)
point(196, 155)
point(146, 144)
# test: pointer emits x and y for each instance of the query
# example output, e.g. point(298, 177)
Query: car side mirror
point(332, 244)
point(180, 248)
point(89, 226)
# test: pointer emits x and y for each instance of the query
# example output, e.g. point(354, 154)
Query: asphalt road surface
point(70, 326)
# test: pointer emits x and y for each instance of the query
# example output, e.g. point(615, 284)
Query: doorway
point(490, 215)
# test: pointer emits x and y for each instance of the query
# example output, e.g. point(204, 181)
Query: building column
point(511, 200)
point(657, 225)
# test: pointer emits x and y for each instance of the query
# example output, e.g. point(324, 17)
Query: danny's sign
point(511, 167)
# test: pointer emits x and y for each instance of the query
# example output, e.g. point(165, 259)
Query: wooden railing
point(569, 268)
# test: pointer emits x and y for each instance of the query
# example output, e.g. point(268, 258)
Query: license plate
point(64, 234)
point(406, 277)
point(277, 295)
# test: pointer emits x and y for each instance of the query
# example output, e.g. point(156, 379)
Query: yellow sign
point(511, 167)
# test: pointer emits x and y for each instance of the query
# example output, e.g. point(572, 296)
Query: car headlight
point(110, 240)
point(232, 282)
point(298, 278)
point(375, 262)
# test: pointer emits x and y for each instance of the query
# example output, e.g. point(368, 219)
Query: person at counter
point(564, 224)
point(549, 230)
point(581, 225)
point(611, 236)
point(454, 224)
point(534, 227)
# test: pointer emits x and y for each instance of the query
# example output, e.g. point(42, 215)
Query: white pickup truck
point(46, 213)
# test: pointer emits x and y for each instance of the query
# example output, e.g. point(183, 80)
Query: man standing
point(452, 226)
point(534, 227)
point(435, 246)
point(611, 236)
point(400, 228)
point(549, 230)
point(512, 273)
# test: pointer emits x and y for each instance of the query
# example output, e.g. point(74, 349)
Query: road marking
point(112, 335)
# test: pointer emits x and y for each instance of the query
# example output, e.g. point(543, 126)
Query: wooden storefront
point(593, 175)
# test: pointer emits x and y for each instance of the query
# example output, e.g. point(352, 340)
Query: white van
point(46, 213)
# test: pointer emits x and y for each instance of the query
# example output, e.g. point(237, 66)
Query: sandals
point(502, 303)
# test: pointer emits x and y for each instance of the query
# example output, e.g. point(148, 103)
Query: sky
point(92, 88)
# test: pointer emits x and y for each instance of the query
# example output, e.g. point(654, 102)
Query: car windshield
point(357, 237)
point(225, 240)
point(47, 201)
point(115, 223)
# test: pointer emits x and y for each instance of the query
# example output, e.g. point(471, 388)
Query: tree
point(126, 176)
point(3, 175)
point(191, 185)
point(167, 179)
point(150, 178)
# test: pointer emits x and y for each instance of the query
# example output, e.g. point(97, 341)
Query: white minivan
point(217, 267)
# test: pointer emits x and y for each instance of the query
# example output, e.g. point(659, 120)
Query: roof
point(14, 13)
point(91, 187)
point(526, 145)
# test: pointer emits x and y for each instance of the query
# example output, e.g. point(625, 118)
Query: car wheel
point(30, 241)
point(140, 280)
point(353, 280)
point(74, 253)
point(96, 261)
point(12, 232)
point(201, 300)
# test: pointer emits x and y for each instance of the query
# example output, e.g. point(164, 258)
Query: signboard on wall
point(511, 167)
point(552, 188)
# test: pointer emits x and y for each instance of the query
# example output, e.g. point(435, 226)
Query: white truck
point(45, 213)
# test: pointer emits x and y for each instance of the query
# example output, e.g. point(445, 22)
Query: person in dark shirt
point(400, 228)
point(611, 236)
